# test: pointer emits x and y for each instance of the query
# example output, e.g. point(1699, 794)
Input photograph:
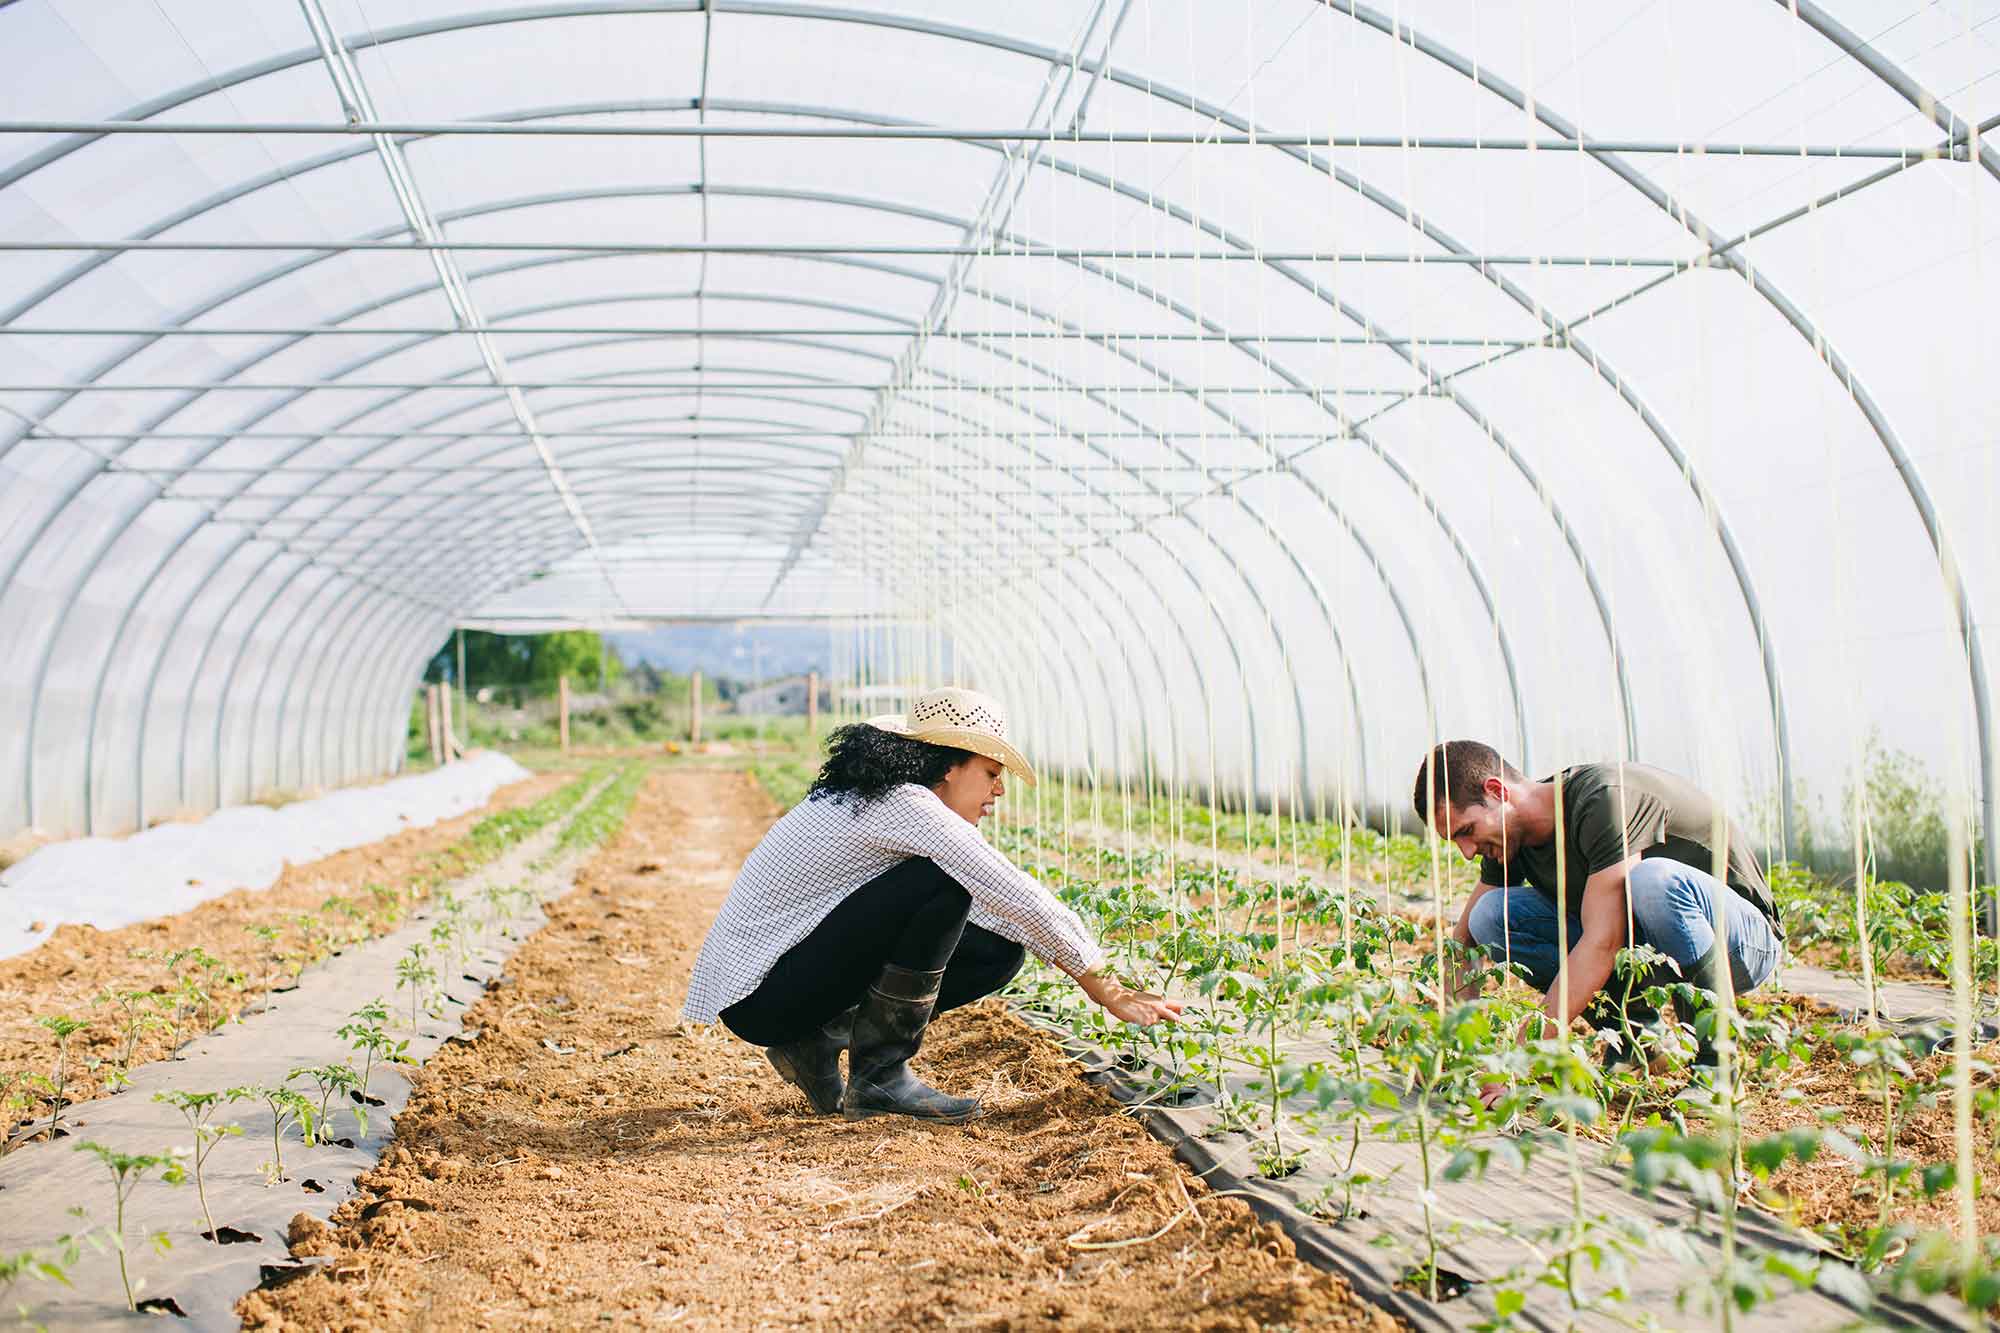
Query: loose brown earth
point(67, 972)
point(1829, 1193)
point(591, 1158)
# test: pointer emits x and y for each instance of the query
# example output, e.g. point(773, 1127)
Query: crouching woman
point(875, 905)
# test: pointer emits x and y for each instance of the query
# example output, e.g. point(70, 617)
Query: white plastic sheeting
point(112, 882)
point(1616, 383)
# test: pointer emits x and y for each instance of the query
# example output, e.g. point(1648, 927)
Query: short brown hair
point(1455, 773)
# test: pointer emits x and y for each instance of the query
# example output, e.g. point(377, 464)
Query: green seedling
point(197, 1108)
point(288, 1107)
point(330, 1079)
point(64, 1028)
point(16, 1103)
point(137, 1014)
point(416, 974)
point(127, 1171)
point(387, 904)
point(51, 1265)
point(355, 913)
point(366, 1031)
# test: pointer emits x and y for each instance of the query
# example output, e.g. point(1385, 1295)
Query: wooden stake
point(694, 709)
point(444, 723)
point(431, 725)
point(812, 705)
point(562, 711)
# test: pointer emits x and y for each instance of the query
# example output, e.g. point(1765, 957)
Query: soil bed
point(589, 1157)
point(68, 971)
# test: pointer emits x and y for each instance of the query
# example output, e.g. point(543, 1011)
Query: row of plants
point(1322, 1020)
point(193, 991)
point(304, 1105)
point(1906, 925)
point(307, 1103)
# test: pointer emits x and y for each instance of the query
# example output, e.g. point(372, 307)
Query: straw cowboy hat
point(963, 718)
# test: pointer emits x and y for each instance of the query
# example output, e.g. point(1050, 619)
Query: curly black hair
point(864, 762)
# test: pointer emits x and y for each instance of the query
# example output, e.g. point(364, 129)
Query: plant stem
point(62, 1078)
point(200, 1189)
point(1430, 1232)
point(118, 1192)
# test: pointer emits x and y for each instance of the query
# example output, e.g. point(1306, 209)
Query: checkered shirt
point(825, 849)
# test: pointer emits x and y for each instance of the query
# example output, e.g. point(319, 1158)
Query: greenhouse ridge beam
point(763, 331)
point(642, 617)
point(1129, 254)
point(1136, 138)
point(792, 382)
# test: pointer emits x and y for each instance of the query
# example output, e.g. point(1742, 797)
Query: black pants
point(913, 915)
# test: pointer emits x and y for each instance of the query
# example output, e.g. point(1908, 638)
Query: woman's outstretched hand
point(1126, 1004)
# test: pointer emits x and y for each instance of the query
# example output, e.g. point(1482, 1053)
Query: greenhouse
point(523, 528)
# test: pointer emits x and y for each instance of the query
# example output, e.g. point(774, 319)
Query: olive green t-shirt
point(1613, 811)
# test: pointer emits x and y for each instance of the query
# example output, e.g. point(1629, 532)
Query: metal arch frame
point(1264, 362)
point(104, 672)
point(236, 664)
point(1167, 606)
point(1677, 210)
point(1226, 631)
point(383, 616)
point(1137, 361)
point(807, 13)
point(425, 289)
point(1270, 366)
point(179, 617)
point(391, 351)
point(1264, 523)
point(283, 703)
point(1956, 126)
point(166, 643)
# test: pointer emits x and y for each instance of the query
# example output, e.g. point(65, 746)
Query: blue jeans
point(1673, 910)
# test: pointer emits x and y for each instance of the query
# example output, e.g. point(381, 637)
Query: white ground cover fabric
point(111, 882)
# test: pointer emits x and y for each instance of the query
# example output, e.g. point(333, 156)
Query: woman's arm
point(918, 824)
point(1122, 1002)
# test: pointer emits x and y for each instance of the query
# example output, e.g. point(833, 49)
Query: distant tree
point(530, 661)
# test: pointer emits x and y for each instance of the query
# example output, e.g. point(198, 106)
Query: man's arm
point(1593, 955)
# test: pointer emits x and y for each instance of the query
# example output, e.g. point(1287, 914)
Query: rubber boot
point(1608, 1015)
point(812, 1065)
point(888, 1029)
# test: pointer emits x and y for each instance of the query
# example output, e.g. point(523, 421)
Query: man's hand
point(1126, 1004)
point(1491, 1091)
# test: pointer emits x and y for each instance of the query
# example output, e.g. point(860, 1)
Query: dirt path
point(68, 971)
point(591, 1159)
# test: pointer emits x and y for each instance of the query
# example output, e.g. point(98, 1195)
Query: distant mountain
point(747, 653)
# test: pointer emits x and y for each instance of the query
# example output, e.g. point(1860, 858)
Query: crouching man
point(1634, 862)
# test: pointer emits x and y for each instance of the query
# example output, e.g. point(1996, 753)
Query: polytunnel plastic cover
point(1258, 391)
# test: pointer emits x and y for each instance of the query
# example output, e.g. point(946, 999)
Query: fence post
point(431, 725)
point(694, 709)
point(562, 712)
point(812, 705)
point(444, 723)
